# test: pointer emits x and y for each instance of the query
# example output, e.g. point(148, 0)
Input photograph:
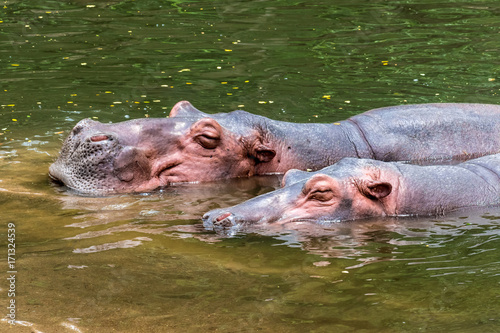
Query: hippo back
point(459, 131)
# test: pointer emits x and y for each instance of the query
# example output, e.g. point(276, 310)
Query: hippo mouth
point(55, 180)
point(112, 170)
point(80, 180)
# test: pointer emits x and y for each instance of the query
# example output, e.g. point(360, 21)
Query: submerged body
point(361, 188)
point(191, 146)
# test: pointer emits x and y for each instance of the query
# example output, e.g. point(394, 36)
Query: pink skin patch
point(97, 138)
point(222, 217)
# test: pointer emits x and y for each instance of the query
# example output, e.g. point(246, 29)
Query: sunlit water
point(143, 263)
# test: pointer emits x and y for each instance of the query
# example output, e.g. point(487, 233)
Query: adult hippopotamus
point(360, 188)
point(191, 146)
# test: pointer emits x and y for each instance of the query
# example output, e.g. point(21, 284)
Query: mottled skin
point(191, 146)
point(360, 188)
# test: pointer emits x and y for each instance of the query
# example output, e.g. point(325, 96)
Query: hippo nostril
point(100, 137)
point(83, 124)
point(226, 220)
point(77, 129)
point(223, 216)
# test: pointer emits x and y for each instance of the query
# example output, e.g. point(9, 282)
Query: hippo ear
point(263, 153)
point(185, 109)
point(375, 189)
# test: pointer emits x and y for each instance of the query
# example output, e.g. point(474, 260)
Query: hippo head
point(144, 154)
point(350, 189)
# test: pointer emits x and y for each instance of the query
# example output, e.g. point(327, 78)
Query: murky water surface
point(142, 263)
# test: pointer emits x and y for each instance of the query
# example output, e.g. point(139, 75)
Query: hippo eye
point(321, 194)
point(321, 188)
point(208, 141)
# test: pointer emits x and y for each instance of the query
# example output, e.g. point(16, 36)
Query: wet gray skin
point(360, 188)
point(191, 146)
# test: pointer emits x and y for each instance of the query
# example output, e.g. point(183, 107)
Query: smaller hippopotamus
point(360, 188)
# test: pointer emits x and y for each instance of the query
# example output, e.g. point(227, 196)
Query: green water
point(142, 263)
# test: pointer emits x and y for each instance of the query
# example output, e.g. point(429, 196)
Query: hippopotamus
point(142, 155)
point(361, 188)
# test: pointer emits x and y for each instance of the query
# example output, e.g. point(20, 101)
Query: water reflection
point(382, 239)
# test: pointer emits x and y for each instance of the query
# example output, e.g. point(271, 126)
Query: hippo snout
point(219, 220)
point(85, 161)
